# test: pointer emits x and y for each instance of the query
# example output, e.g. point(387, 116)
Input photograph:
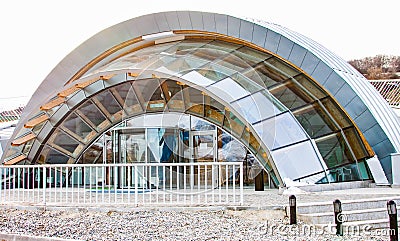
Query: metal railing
point(138, 184)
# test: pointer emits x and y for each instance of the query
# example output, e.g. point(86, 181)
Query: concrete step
point(362, 227)
point(359, 204)
point(347, 216)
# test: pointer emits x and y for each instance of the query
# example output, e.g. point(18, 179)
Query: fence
point(138, 184)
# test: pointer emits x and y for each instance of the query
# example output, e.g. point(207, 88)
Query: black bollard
point(292, 206)
point(337, 209)
point(393, 225)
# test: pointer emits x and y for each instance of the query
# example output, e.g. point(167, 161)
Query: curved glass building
point(193, 86)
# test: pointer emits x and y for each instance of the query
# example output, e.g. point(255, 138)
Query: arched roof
point(361, 101)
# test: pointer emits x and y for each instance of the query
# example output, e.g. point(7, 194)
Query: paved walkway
point(271, 197)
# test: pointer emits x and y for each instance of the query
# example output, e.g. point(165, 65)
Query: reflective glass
point(251, 56)
point(364, 171)
point(231, 122)
point(52, 156)
point(256, 75)
point(213, 109)
point(78, 128)
point(91, 112)
point(228, 90)
point(250, 140)
point(184, 65)
point(215, 72)
point(355, 143)
point(334, 150)
point(258, 106)
point(290, 95)
point(186, 46)
point(246, 83)
point(106, 101)
point(126, 96)
point(281, 68)
point(314, 120)
point(155, 62)
point(64, 142)
point(173, 94)
point(266, 74)
point(133, 146)
point(280, 131)
point(335, 111)
point(194, 101)
point(297, 161)
point(94, 154)
point(149, 92)
point(197, 78)
point(310, 86)
point(344, 173)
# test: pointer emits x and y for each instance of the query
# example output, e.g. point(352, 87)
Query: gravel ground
point(162, 225)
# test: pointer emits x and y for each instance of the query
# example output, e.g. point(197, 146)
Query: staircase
point(363, 213)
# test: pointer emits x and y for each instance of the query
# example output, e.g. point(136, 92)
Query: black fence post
point(292, 206)
point(393, 224)
point(337, 209)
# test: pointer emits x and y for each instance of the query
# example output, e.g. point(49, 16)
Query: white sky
point(36, 35)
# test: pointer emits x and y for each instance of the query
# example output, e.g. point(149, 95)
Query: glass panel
point(250, 140)
point(279, 68)
point(291, 164)
point(133, 146)
point(228, 90)
point(335, 111)
point(90, 112)
point(258, 106)
point(260, 76)
point(14, 150)
point(364, 171)
point(251, 56)
point(344, 173)
point(186, 46)
point(203, 147)
point(77, 128)
point(231, 122)
point(357, 146)
point(155, 62)
point(215, 72)
point(196, 78)
point(64, 142)
point(334, 151)
point(290, 95)
point(149, 92)
point(246, 83)
point(313, 88)
point(280, 131)
point(213, 109)
point(194, 101)
point(207, 53)
point(154, 142)
point(94, 154)
point(226, 46)
point(185, 64)
point(173, 94)
point(108, 101)
point(265, 159)
point(315, 121)
point(127, 98)
point(52, 156)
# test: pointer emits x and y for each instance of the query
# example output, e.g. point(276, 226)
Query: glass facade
point(274, 109)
